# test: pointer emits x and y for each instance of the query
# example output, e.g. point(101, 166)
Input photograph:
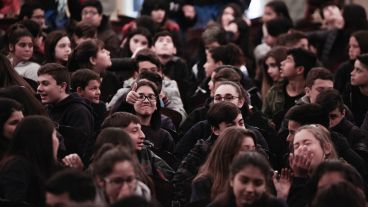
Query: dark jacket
point(357, 102)
point(342, 76)
point(161, 139)
point(109, 86)
point(365, 123)
point(201, 191)
point(264, 201)
point(75, 119)
point(357, 138)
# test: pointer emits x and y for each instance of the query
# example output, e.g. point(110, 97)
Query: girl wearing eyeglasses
point(116, 176)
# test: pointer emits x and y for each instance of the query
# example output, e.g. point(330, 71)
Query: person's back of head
point(120, 120)
point(339, 195)
point(229, 54)
point(214, 34)
point(291, 39)
point(330, 100)
point(70, 186)
point(303, 58)
point(114, 136)
point(307, 114)
point(318, 73)
point(278, 26)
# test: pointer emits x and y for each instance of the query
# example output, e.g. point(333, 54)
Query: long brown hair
point(227, 146)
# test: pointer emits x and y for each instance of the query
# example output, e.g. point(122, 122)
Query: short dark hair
point(318, 73)
point(290, 39)
point(278, 26)
point(57, 71)
point(362, 39)
point(120, 119)
point(7, 107)
point(222, 112)
point(163, 34)
point(81, 78)
point(229, 54)
point(114, 136)
point(33, 27)
point(84, 29)
point(308, 114)
point(148, 55)
point(363, 58)
point(78, 185)
point(303, 58)
point(93, 3)
point(330, 99)
point(153, 77)
point(27, 9)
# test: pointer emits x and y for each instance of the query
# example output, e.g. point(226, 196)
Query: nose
point(98, 92)
point(141, 134)
point(290, 138)
point(249, 187)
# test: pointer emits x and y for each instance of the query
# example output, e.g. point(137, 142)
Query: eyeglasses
point(85, 13)
point(119, 181)
point(149, 97)
point(227, 97)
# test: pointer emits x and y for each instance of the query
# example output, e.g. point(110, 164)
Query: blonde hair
point(323, 136)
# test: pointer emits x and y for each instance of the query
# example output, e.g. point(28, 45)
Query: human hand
point(132, 96)
point(73, 161)
point(282, 182)
point(300, 162)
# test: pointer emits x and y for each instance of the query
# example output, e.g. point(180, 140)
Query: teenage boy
point(87, 84)
point(318, 79)
point(173, 66)
point(70, 111)
point(147, 60)
point(332, 103)
point(356, 97)
point(281, 97)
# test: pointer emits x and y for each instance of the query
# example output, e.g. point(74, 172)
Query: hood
point(73, 98)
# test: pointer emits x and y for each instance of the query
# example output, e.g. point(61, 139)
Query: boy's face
point(49, 90)
point(164, 45)
point(359, 75)
point(288, 69)
point(91, 91)
point(91, 15)
point(238, 122)
point(336, 116)
point(136, 134)
point(318, 86)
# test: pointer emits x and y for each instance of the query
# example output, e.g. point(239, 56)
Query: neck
point(364, 90)
point(296, 85)
point(164, 59)
point(145, 120)
point(62, 97)
point(15, 60)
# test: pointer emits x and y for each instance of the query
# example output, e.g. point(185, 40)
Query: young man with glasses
point(92, 13)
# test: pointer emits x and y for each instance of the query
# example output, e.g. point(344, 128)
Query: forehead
point(25, 39)
point(46, 77)
point(222, 89)
point(303, 135)
point(323, 83)
point(145, 89)
point(359, 64)
point(132, 125)
point(90, 8)
point(164, 37)
point(290, 58)
point(94, 82)
point(293, 125)
point(146, 64)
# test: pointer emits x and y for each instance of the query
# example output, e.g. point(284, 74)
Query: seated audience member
point(116, 176)
point(281, 97)
point(57, 47)
point(339, 195)
point(358, 44)
point(83, 31)
point(301, 115)
point(220, 116)
point(332, 103)
point(92, 54)
point(30, 161)
point(293, 39)
point(170, 95)
point(68, 187)
point(72, 113)
point(246, 169)
point(10, 115)
point(92, 13)
point(34, 12)
point(174, 67)
point(317, 80)
point(137, 38)
point(272, 65)
point(356, 97)
point(213, 174)
point(38, 40)
point(87, 84)
point(20, 57)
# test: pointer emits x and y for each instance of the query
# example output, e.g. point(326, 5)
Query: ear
point(343, 112)
point(241, 103)
point(100, 182)
point(300, 70)
point(79, 90)
point(327, 148)
point(215, 131)
point(92, 60)
point(11, 47)
point(231, 182)
point(307, 91)
point(174, 50)
point(63, 86)
point(219, 63)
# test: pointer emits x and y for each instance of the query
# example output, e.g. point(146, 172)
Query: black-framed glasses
point(227, 97)
point(149, 97)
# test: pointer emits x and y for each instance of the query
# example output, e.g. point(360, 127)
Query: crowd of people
point(191, 105)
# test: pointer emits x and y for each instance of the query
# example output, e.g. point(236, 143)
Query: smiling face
point(49, 91)
point(136, 134)
point(146, 104)
point(92, 91)
point(11, 124)
point(248, 185)
point(63, 50)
